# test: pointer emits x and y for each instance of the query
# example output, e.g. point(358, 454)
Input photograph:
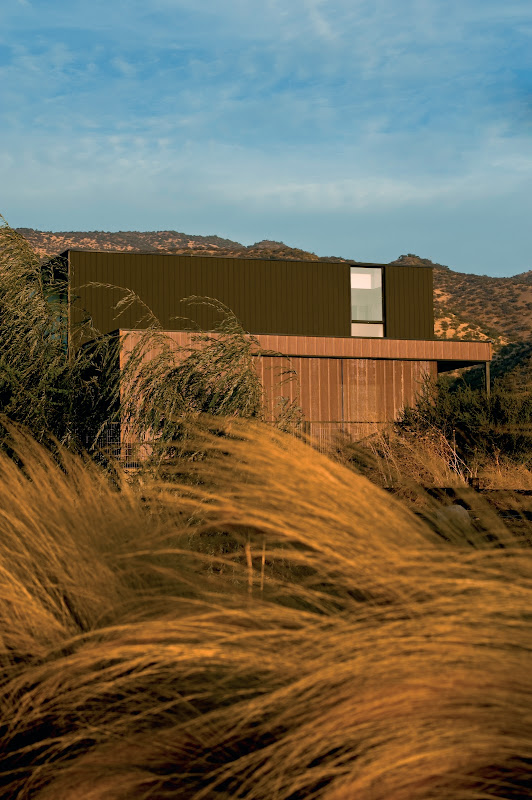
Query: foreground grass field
point(268, 625)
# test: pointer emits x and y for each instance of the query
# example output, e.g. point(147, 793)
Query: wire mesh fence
point(114, 443)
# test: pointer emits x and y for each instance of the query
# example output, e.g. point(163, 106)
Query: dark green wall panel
point(289, 297)
point(303, 298)
point(408, 302)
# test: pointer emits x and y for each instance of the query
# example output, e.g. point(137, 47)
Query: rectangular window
point(366, 301)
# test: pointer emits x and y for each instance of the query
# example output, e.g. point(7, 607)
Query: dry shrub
point(505, 474)
point(349, 652)
point(402, 463)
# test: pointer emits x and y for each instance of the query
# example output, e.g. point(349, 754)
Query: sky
point(357, 128)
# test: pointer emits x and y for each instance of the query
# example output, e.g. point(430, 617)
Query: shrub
point(42, 385)
point(478, 426)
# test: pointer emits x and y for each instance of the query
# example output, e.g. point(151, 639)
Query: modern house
point(359, 336)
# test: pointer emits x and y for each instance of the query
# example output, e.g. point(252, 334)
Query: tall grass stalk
point(336, 648)
point(42, 385)
point(164, 385)
point(64, 379)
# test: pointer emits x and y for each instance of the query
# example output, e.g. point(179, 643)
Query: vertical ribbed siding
point(286, 297)
point(349, 391)
point(353, 395)
point(408, 302)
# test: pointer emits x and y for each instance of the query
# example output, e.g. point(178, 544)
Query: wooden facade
point(301, 310)
point(352, 385)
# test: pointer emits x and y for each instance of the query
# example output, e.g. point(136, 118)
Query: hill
point(49, 243)
point(466, 306)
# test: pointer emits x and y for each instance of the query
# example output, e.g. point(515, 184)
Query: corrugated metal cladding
point(352, 391)
point(353, 395)
point(292, 297)
point(408, 302)
point(440, 350)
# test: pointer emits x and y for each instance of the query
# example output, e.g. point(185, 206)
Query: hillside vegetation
point(48, 243)
point(466, 306)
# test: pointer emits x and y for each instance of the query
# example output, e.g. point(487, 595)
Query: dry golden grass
point(337, 648)
point(505, 474)
point(405, 459)
point(404, 462)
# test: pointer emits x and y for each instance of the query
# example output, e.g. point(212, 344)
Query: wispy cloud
point(345, 107)
point(125, 68)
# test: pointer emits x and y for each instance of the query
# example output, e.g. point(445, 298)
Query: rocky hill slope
point(466, 306)
point(477, 306)
point(47, 243)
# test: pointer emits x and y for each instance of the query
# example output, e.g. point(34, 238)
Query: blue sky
point(356, 128)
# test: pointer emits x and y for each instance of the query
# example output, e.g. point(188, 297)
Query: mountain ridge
point(468, 306)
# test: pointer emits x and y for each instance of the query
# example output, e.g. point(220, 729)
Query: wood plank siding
point(348, 390)
point(347, 384)
point(361, 347)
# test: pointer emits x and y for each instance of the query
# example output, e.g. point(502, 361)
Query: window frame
point(360, 270)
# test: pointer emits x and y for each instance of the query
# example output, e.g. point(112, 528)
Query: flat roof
point(347, 262)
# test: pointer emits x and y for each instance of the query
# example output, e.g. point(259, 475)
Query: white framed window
point(366, 302)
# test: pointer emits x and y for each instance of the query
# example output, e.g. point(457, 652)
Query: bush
point(476, 425)
point(42, 385)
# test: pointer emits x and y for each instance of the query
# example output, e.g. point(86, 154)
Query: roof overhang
point(448, 354)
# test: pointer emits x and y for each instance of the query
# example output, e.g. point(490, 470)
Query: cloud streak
point(345, 107)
